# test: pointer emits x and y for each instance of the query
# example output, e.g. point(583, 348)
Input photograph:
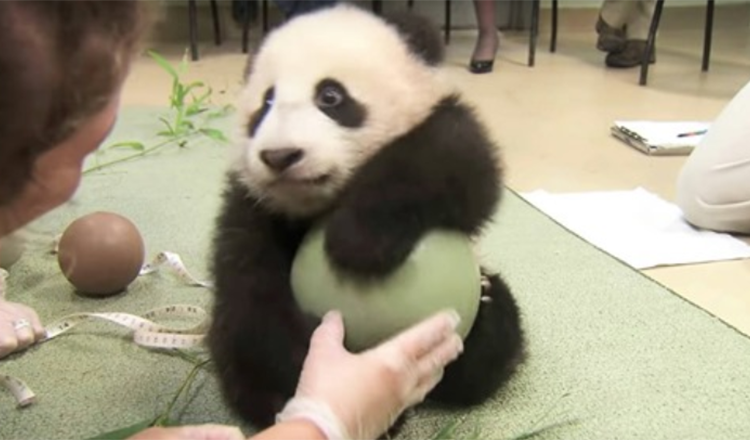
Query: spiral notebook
point(661, 138)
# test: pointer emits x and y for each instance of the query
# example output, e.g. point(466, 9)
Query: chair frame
point(650, 43)
point(193, 24)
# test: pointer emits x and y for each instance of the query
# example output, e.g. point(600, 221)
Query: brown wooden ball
point(101, 253)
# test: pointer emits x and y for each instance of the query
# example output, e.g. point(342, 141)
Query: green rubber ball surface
point(442, 272)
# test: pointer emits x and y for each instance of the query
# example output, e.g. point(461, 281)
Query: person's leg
point(713, 187)
point(486, 45)
point(638, 22)
point(613, 16)
point(639, 19)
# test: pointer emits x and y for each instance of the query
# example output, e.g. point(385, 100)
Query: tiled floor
point(552, 120)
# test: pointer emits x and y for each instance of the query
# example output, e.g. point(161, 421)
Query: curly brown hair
point(60, 63)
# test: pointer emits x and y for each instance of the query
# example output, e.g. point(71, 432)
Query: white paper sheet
point(638, 227)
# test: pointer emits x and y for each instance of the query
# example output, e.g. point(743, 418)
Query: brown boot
point(610, 39)
point(630, 56)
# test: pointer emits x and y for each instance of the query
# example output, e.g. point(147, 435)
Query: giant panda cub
point(348, 116)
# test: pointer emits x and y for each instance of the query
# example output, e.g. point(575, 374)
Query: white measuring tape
point(174, 262)
point(146, 332)
point(22, 393)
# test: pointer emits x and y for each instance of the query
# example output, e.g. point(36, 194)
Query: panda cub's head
point(326, 91)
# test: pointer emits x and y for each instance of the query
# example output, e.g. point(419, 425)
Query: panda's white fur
point(350, 45)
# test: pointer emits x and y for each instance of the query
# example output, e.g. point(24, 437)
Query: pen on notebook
point(692, 133)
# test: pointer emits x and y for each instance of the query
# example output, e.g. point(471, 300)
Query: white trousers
point(713, 187)
point(634, 14)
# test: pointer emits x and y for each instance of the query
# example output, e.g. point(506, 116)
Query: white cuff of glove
point(316, 412)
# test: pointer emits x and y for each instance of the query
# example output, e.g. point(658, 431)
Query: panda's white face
point(326, 92)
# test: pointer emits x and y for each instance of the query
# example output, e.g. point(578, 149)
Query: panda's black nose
point(282, 158)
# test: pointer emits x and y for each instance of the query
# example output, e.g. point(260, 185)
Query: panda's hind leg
point(492, 350)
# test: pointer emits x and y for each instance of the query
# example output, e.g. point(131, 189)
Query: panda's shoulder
point(451, 117)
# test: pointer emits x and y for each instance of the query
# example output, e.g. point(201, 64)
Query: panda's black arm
point(259, 336)
point(444, 174)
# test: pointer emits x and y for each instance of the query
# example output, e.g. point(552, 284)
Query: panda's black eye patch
point(332, 98)
point(259, 114)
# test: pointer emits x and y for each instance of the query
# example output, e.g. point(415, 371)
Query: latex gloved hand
point(19, 325)
point(359, 396)
point(195, 432)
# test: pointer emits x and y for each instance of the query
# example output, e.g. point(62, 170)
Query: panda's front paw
point(366, 248)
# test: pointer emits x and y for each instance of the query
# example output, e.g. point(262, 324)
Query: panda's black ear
point(421, 35)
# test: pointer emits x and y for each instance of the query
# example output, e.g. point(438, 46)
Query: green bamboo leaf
point(217, 114)
point(178, 98)
point(166, 422)
point(195, 109)
point(182, 92)
point(220, 113)
point(446, 432)
point(132, 145)
point(198, 104)
point(214, 134)
point(173, 95)
point(202, 98)
point(535, 432)
point(194, 85)
point(170, 129)
point(161, 61)
point(124, 433)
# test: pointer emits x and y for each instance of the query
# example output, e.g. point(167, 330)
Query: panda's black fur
point(443, 173)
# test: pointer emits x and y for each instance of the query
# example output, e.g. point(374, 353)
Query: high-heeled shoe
point(481, 66)
point(484, 65)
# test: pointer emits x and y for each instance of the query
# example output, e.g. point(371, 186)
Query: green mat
point(611, 353)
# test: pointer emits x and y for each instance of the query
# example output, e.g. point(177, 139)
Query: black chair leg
point(533, 32)
point(246, 30)
point(447, 21)
point(410, 4)
point(217, 28)
point(707, 35)
point(553, 37)
point(377, 7)
point(264, 13)
point(651, 42)
point(193, 19)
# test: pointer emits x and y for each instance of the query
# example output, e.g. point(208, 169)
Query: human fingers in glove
point(359, 396)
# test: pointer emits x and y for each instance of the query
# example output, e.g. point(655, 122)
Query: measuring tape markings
point(146, 332)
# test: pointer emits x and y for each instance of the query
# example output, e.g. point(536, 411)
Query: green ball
point(442, 272)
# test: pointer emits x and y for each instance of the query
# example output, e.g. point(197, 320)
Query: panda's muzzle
point(281, 162)
point(281, 159)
